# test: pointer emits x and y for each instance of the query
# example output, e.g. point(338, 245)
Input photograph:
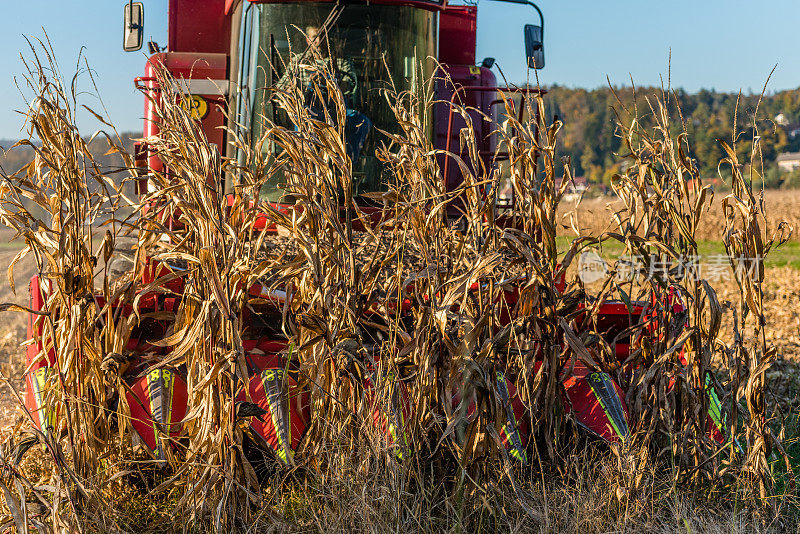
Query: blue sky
point(723, 44)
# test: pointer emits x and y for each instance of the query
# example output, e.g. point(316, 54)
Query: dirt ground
point(13, 329)
point(593, 215)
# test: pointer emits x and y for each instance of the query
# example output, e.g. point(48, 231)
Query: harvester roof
point(425, 4)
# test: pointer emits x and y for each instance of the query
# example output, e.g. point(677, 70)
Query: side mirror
point(134, 27)
point(534, 46)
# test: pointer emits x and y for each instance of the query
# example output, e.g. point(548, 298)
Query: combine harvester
point(227, 50)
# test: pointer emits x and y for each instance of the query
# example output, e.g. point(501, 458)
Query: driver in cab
point(305, 68)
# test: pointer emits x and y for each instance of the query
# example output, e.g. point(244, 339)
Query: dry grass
point(345, 331)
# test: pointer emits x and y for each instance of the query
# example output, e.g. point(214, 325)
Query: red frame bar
point(430, 5)
point(482, 89)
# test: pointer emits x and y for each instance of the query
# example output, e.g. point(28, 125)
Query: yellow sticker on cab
point(196, 106)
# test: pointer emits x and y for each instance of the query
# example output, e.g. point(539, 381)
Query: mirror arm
point(132, 25)
point(534, 6)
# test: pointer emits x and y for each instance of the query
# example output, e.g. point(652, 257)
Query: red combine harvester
point(227, 51)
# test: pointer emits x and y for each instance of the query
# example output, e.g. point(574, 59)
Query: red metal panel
point(158, 403)
point(463, 76)
point(457, 35)
point(187, 66)
point(194, 66)
point(430, 5)
point(199, 26)
point(597, 403)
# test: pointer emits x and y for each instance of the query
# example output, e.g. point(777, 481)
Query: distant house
point(576, 187)
point(578, 184)
point(791, 128)
point(788, 161)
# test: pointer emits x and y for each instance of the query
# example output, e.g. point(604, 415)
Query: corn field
point(405, 313)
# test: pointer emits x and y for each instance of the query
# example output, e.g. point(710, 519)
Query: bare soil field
point(13, 328)
point(594, 215)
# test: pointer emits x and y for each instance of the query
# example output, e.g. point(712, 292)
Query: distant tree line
point(589, 135)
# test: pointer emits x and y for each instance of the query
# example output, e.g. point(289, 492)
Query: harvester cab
point(233, 55)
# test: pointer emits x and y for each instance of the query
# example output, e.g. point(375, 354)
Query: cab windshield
point(370, 48)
